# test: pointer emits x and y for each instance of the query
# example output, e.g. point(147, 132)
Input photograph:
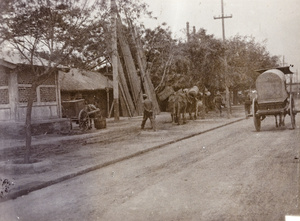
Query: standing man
point(148, 112)
point(219, 103)
point(247, 104)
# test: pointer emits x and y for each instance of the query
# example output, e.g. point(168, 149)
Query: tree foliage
point(63, 31)
point(97, 50)
point(204, 52)
point(159, 48)
point(244, 57)
point(201, 60)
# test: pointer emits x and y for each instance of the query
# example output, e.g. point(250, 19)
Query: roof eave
point(284, 69)
point(7, 64)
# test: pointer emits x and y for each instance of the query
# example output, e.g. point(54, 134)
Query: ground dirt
point(230, 173)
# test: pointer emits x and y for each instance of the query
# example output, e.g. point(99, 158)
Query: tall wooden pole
point(114, 59)
point(228, 104)
point(223, 17)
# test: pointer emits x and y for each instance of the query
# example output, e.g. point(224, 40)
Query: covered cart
point(273, 97)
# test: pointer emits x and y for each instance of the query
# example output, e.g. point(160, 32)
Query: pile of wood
point(133, 81)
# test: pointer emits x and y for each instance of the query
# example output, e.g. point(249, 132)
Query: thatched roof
point(80, 80)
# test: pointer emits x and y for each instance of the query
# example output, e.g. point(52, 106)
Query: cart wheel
point(256, 117)
point(292, 111)
point(84, 120)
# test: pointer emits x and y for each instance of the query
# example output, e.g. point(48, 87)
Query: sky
point(276, 21)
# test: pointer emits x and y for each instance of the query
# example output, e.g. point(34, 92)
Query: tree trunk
point(28, 126)
point(235, 97)
point(228, 104)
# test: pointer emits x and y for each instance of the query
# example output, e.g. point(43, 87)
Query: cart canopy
point(271, 87)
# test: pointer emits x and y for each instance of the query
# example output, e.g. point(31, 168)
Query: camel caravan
point(184, 101)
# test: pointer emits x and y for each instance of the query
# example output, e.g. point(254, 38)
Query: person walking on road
point(148, 112)
point(247, 105)
point(219, 104)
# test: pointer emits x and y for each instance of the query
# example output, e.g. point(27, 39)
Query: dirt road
point(232, 173)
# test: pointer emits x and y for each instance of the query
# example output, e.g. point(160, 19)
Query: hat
point(145, 96)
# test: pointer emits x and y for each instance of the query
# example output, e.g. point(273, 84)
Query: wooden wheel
point(84, 120)
point(292, 111)
point(256, 117)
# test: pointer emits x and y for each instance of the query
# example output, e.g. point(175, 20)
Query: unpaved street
point(232, 173)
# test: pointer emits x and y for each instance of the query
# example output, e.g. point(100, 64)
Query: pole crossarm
point(222, 17)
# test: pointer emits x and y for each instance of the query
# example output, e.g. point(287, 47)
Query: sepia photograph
point(149, 110)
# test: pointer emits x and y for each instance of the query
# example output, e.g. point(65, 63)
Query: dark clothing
point(148, 106)
point(219, 103)
point(247, 105)
point(247, 100)
point(218, 100)
point(148, 113)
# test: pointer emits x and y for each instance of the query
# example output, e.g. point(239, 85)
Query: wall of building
point(14, 91)
point(6, 95)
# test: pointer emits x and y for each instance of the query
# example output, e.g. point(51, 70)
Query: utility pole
point(223, 17)
point(297, 81)
point(283, 61)
point(228, 103)
point(114, 58)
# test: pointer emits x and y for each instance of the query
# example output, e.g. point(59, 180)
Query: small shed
point(94, 87)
